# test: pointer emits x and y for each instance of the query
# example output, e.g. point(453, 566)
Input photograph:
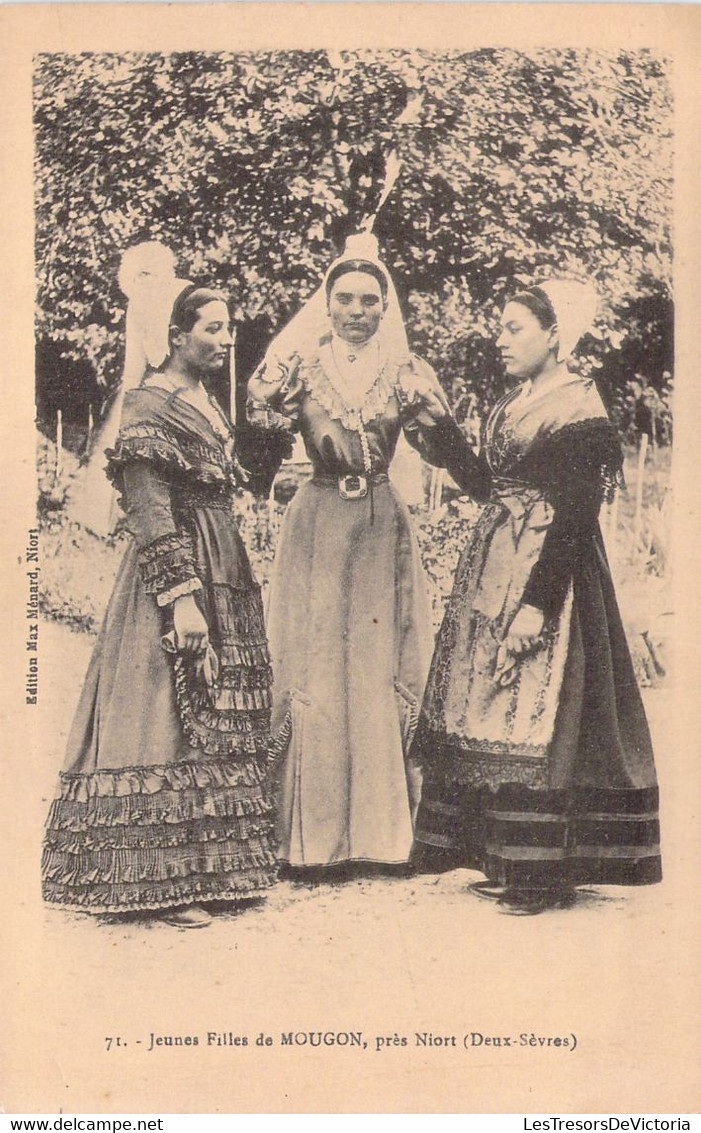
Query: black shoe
point(531, 902)
point(188, 916)
point(488, 890)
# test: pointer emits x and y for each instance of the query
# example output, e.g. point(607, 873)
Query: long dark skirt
point(585, 810)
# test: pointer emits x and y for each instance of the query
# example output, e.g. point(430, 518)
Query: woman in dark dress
point(163, 804)
point(538, 765)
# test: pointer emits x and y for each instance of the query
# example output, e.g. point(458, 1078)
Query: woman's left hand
point(524, 637)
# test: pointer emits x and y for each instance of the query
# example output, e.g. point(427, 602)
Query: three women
point(532, 737)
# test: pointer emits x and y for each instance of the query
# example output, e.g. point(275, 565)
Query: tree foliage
point(253, 167)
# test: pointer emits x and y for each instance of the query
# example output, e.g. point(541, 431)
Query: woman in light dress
point(348, 621)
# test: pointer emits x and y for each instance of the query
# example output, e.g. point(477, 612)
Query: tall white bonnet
point(575, 304)
point(147, 278)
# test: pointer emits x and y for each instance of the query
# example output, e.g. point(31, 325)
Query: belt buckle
point(352, 487)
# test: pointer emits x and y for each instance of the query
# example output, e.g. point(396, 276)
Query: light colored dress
point(163, 799)
point(349, 620)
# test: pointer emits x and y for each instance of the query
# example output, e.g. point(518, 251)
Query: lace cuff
point(263, 416)
point(167, 563)
point(166, 597)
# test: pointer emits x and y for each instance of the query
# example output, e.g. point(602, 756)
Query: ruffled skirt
point(163, 800)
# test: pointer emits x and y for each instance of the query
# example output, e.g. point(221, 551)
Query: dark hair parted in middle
point(538, 303)
point(347, 266)
point(187, 306)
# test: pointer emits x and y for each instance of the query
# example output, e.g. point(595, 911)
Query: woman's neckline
point(369, 362)
point(534, 387)
point(170, 382)
point(170, 386)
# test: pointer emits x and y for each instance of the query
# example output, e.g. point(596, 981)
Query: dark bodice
point(169, 463)
point(560, 445)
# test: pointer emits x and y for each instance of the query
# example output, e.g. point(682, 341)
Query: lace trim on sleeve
point(602, 453)
point(166, 597)
point(166, 563)
point(261, 415)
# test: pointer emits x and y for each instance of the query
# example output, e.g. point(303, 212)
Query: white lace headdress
point(147, 278)
point(574, 304)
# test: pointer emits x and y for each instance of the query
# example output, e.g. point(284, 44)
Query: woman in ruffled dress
point(163, 806)
point(538, 765)
point(349, 622)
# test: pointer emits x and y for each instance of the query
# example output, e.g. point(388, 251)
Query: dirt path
point(380, 956)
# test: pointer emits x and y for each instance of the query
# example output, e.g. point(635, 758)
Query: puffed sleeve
point(166, 555)
point(272, 419)
point(575, 469)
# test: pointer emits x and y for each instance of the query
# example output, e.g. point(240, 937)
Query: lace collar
point(324, 382)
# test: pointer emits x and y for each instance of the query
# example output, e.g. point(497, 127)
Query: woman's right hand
point(272, 379)
point(525, 636)
point(191, 629)
point(423, 392)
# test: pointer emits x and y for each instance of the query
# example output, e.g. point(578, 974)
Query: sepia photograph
point(350, 758)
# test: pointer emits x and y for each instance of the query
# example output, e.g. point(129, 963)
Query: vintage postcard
point(350, 525)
